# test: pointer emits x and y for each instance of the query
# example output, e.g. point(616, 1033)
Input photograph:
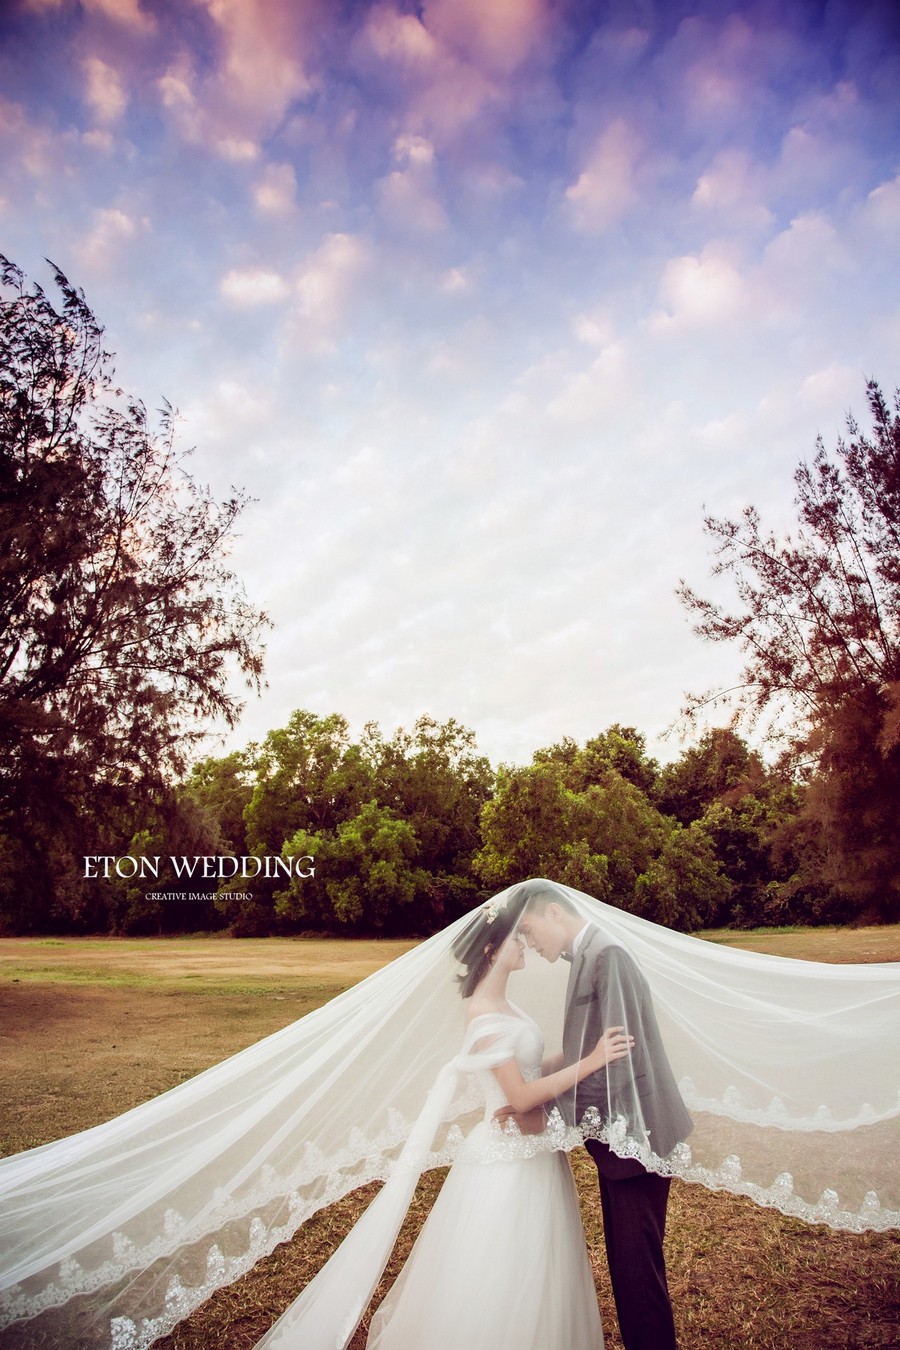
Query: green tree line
point(409, 832)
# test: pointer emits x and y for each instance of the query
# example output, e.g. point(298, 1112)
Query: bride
point(110, 1237)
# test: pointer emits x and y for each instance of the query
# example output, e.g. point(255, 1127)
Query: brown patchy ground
point(836, 945)
point(145, 1014)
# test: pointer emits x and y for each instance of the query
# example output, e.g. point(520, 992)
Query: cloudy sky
point(484, 301)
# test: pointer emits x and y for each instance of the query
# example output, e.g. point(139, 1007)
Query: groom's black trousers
point(634, 1223)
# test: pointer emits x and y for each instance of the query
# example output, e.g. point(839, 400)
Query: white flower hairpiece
point(493, 908)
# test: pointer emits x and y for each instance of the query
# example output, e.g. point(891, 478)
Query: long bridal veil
point(113, 1235)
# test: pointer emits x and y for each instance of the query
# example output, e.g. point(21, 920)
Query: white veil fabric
point(110, 1237)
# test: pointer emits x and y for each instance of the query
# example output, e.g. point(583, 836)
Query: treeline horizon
point(410, 832)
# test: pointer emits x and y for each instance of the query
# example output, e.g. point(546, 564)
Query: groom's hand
point(527, 1122)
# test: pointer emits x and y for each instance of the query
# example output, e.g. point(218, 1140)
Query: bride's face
point(510, 954)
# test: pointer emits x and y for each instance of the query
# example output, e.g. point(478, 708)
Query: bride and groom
point(501, 1260)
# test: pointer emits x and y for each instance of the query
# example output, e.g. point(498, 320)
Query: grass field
point(740, 1276)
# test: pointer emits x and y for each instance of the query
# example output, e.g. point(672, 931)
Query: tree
point(603, 836)
point(818, 619)
point(307, 776)
point(621, 748)
point(120, 622)
point(434, 778)
point(684, 885)
point(526, 825)
point(750, 833)
point(170, 903)
point(393, 824)
point(367, 878)
point(721, 765)
point(221, 788)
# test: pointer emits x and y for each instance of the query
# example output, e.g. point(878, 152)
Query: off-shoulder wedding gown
point(500, 1263)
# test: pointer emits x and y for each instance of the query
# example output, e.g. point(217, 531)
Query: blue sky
point(484, 301)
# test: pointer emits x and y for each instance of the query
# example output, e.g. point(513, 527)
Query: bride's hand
point(613, 1044)
point(527, 1122)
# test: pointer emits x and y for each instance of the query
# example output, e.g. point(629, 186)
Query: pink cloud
point(276, 191)
point(126, 12)
point(326, 286)
point(399, 37)
point(704, 290)
point(105, 90)
point(251, 286)
point(446, 91)
point(882, 209)
point(723, 68)
point(266, 51)
point(449, 104)
point(734, 187)
point(496, 34)
point(606, 189)
point(32, 147)
point(111, 236)
point(408, 196)
point(810, 248)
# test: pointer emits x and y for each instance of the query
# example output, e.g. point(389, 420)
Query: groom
point(606, 988)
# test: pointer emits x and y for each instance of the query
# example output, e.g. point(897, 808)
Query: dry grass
point(835, 945)
point(323, 966)
point(740, 1276)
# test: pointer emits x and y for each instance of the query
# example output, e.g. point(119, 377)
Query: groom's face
point(544, 932)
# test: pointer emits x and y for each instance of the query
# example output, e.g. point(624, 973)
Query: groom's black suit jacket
point(607, 989)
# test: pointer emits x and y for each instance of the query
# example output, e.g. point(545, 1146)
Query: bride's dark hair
point(490, 927)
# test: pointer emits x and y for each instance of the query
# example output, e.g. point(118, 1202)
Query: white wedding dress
point(500, 1263)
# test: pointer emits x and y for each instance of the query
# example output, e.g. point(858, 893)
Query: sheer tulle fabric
point(787, 1069)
